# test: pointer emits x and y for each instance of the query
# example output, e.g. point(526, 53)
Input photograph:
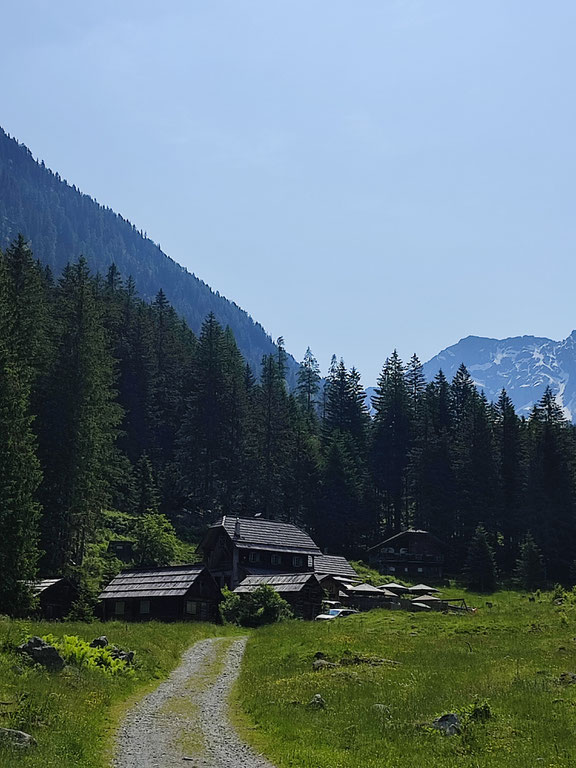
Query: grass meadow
point(511, 655)
point(72, 714)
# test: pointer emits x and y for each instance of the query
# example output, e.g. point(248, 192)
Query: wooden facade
point(411, 554)
point(302, 591)
point(171, 593)
point(55, 597)
point(235, 548)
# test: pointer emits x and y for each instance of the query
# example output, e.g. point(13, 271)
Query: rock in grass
point(18, 739)
point(42, 653)
point(567, 678)
point(99, 642)
point(317, 702)
point(449, 724)
point(320, 664)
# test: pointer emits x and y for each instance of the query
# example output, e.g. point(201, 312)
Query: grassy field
point(72, 714)
point(511, 655)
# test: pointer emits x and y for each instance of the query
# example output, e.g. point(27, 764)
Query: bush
point(263, 606)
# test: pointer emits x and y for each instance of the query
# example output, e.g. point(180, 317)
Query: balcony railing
point(409, 557)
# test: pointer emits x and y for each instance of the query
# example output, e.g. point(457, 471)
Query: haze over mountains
point(62, 223)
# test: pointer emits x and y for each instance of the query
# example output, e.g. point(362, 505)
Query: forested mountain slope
point(62, 223)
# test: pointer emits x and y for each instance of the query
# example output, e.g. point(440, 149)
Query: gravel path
point(185, 722)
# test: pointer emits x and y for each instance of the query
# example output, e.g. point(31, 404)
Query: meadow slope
point(511, 656)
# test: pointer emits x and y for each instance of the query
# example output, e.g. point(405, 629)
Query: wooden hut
point(302, 591)
point(411, 554)
point(171, 593)
point(55, 597)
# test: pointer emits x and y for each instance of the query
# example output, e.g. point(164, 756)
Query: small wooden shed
point(170, 593)
point(302, 591)
point(55, 597)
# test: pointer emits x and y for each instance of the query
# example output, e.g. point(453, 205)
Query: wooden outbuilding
point(55, 597)
point(411, 554)
point(170, 593)
point(237, 547)
point(302, 591)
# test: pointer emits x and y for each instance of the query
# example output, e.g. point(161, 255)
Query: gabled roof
point(259, 533)
point(334, 565)
point(281, 582)
point(173, 581)
point(41, 586)
point(403, 534)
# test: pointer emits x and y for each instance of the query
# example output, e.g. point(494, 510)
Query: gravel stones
point(154, 736)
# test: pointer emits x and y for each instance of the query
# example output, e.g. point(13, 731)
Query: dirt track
point(185, 721)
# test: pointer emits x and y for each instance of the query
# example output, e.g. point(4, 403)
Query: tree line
point(111, 403)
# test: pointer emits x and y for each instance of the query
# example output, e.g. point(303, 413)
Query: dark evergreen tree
point(480, 568)
point(308, 384)
point(530, 572)
point(80, 423)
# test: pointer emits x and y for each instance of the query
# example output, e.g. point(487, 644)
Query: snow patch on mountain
point(523, 365)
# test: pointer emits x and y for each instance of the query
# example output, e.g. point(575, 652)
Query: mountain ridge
point(61, 223)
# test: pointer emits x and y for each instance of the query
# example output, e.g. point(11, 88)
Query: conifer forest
point(113, 411)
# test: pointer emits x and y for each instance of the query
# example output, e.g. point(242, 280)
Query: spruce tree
point(480, 568)
point(81, 422)
point(530, 571)
point(20, 472)
point(308, 383)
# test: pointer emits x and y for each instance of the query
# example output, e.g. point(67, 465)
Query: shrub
point(78, 652)
point(263, 606)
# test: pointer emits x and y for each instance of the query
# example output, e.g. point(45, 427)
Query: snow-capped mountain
point(524, 366)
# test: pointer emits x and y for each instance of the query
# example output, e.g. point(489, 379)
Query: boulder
point(317, 702)
point(42, 653)
point(450, 724)
point(18, 739)
point(99, 642)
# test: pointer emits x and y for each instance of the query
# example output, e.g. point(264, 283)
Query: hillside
point(62, 223)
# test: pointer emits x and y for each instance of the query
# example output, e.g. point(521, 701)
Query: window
point(254, 557)
point(392, 568)
point(420, 570)
point(191, 607)
point(276, 560)
point(297, 561)
point(119, 608)
point(144, 606)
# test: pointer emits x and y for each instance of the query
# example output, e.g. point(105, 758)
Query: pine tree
point(308, 384)
point(80, 423)
point(20, 472)
point(392, 441)
point(530, 571)
point(480, 568)
point(146, 495)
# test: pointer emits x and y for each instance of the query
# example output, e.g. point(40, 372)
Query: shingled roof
point(334, 565)
point(259, 533)
point(174, 581)
point(281, 582)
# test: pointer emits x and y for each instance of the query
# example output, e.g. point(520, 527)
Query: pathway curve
point(185, 721)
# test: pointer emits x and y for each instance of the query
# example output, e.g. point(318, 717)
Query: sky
point(359, 176)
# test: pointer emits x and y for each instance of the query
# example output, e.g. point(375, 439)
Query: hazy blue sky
point(358, 176)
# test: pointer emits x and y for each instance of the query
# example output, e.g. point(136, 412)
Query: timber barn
point(411, 554)
point(237, 547)
point(171, 593)
point(302, 591)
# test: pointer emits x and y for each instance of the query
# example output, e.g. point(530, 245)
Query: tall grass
point(511, 655)
point(72, 714)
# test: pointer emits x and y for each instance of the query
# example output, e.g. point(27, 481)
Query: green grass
point(511, 655)
point(73, 714)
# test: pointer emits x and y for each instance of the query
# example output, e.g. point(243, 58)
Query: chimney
point(237, 528)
